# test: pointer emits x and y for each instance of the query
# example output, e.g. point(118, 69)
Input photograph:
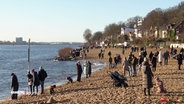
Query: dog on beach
point(52, 89)
point(69, 79)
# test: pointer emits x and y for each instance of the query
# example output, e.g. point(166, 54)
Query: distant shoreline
point(41, 43)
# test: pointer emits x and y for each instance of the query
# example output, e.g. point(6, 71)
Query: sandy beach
point(98, 88)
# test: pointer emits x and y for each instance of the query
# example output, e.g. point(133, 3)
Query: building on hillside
point(138, 31)
point(175, 29)
point(179, 28)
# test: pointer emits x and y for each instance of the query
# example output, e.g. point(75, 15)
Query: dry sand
point(98, 89)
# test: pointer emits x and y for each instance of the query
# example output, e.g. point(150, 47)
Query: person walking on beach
point(79, 71)
point(125, 66)
point(130, 58)
point(147, 76)
point(42, 74)
point(166, 57)
point(180, 60)
point(154, 62)
point(30, 81)
point(110, 62)
point(14, 86)
point(99, 55)
point(115, 61)
point(160, 57)
point(140, 60)
point(151, 55)
point(36, 82)
point(109, 54)
point(134, 64)
point(144, 52)
point(102, 53)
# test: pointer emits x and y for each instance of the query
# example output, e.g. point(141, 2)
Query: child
point(160, 86)
point(52, 89)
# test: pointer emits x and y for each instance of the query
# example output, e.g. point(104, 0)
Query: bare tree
point(87, 35)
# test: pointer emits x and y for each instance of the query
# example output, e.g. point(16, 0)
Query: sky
point(66, 20)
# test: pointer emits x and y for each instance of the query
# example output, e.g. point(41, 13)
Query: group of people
point(117, 60)
point(130, 64)
point(148, 64)
point(34, 80)
point(101, 54)
point(86, 68)
point(145, 64)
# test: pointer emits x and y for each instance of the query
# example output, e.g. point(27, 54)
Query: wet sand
point(98, 89)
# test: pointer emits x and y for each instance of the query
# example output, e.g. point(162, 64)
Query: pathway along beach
point(98, 89)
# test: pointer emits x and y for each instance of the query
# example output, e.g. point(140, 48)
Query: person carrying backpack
point(42, 74)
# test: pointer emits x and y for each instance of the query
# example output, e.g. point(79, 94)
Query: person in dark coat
point(99, 55)
point(79, 71)
point(151, 55)
point(144, 53)
point(166, 57)
point(115, 61)
point(154, 62)
point(42, 74)
point(140, 60)
point(147, 83)
point(109, 53)
point(110, 62)
point(134, 64)
point(89, 66)
point(182, 52)
point(36, 82)
point(30, 81)
point(180, 60)
point(14, 86)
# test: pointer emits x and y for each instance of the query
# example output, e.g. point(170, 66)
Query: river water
point(14, 59)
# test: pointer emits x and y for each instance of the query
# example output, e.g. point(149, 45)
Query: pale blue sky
point(66, 20)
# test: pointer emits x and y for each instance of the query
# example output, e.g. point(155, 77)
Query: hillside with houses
point(158, 27)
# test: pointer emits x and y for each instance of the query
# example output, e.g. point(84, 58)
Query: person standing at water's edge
point(89, 68)
point(14, 86)
point(79, 71)
point(85, 69)
point(30, 81)
point(42, 74)
point(36, 82)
